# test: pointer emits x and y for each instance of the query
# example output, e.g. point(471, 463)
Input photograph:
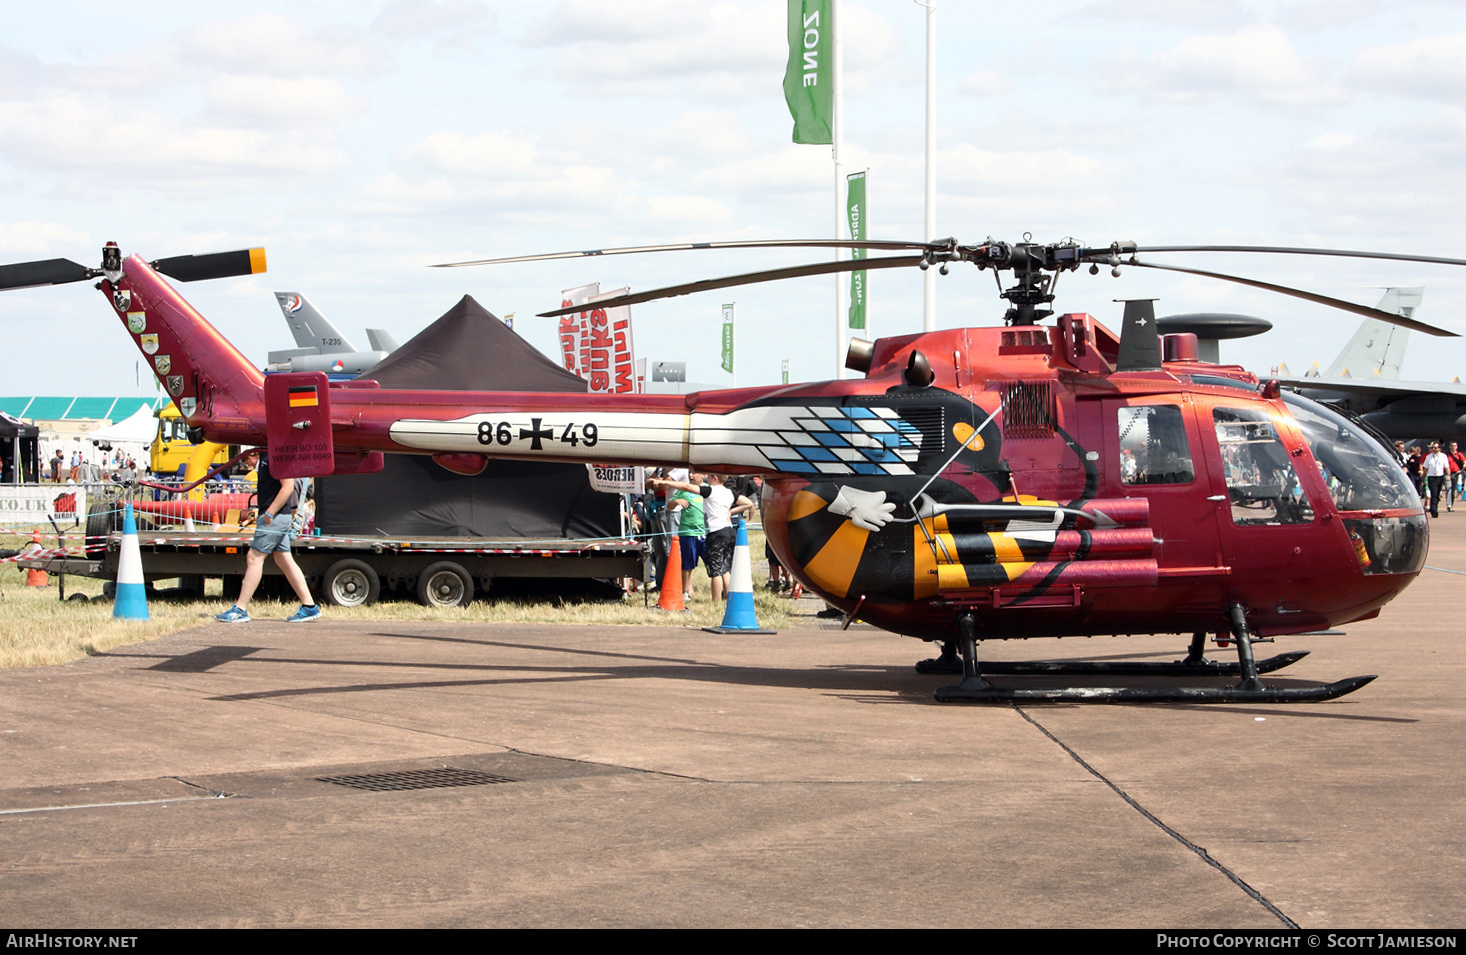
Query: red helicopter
point(977, 484)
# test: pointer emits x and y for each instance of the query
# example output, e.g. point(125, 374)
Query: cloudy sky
point(359, 142)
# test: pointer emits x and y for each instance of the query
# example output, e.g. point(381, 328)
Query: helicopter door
point(1153, 451)
point(1266, 518)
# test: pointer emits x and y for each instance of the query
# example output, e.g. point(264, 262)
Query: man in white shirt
point(1434, 467)
point(720, 505)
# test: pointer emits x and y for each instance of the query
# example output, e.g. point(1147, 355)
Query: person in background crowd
point(1435, 466)
point(75, 466)
point(779, 579)
point(1412, 469)
point(691, 527)
point(1458, 473)
point(656, 528)
point(278, 501)
point(56, 464)
point(720, 505)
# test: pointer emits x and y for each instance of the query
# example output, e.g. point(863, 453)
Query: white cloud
point(1391, 182)
point(249, 97)
point(40, 239)
point(985, 83)
point(486, 156)
point(1051, 132)
point(1185, 12)
point(67, 130)
point(490, 174)
point(452, 23)
point(1428, 67)
point(713, 51)
point(606, 21)
point(1257, 62)
point(273, 100)
point(276, 45)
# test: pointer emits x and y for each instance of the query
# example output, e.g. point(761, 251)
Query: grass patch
point(38, 629)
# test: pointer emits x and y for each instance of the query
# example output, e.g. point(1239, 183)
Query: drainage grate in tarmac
point(416, 779)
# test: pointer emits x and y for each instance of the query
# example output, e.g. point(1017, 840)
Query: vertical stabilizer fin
point(379, 339)
point(1377, 345)
point(310, 328)
point(1140, 341)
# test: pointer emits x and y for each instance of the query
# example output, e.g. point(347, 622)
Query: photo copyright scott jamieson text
point(53, 940)
point(1303, 940)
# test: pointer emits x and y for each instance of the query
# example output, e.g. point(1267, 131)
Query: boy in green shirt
point(691, 532)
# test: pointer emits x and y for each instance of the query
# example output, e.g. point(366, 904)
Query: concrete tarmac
point(671, 777)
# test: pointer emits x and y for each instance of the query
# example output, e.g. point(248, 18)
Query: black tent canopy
point(468, 349)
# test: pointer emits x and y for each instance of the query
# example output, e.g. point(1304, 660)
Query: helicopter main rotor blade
point(878, 244)
point(1283, 250)
point(1314, 297)
point(44, 272)
point(214, 265)
point(749, 278)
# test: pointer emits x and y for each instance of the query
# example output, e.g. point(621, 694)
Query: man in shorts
point(277, 503)
point(720, 506)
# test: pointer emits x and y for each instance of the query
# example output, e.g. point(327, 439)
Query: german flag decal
point(303, 396)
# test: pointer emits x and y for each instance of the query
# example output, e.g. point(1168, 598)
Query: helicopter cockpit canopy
point(1360, 474)
point(1365, 479)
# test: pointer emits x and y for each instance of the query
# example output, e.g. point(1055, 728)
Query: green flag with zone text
point(808, 79)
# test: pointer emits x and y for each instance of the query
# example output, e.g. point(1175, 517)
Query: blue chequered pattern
point(832, 440)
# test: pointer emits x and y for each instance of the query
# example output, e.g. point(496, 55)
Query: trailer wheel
point(351, 583)
point(101, 521)
point(444, 584)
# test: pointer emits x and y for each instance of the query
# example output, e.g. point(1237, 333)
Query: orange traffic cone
point(188, 527)
point(671, 598)
point(38, 578)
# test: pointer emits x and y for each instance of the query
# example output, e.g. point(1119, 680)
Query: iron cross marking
point(535, 433)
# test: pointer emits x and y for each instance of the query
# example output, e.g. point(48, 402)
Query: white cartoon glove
point(867, 509)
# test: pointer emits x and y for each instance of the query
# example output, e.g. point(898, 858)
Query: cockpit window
point(1223, 381)
point(1360, 474)
point(1261, 483)
point(1153, 448)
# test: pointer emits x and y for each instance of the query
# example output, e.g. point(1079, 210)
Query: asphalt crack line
point(1198, 850)
point(216, 793)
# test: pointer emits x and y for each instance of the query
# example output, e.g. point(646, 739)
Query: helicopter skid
point(953, 666)
point(984, 692)
point(1249, 689)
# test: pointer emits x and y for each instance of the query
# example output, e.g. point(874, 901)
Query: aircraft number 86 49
point(504, 433)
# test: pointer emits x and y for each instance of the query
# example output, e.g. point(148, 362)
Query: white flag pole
point(929, 278)
point(836, 131)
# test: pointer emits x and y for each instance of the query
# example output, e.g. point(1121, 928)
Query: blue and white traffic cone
point(131, 600)
point(739, 617)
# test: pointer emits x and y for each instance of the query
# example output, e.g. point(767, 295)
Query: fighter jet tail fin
point(379, 339)
point(310, 328)
point(1376, 345)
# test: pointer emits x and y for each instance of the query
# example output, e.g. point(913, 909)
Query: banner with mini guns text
point(597, 343)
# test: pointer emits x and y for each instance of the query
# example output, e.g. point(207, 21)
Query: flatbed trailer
point(351, 572)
